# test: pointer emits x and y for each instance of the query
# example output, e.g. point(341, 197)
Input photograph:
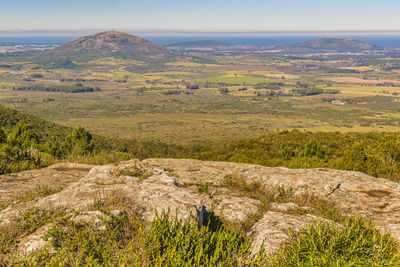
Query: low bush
point(354, 243)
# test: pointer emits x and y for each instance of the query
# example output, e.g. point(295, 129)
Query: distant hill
point(207, 45)
point(193, 44)
point(327, 45)
point(113, 42)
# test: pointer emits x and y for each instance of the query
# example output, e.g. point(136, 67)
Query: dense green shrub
point(121, 241)
point(125, 241)
point(26, 223)
point(354, 243)
point(79, 142)
point(22, 137)
point(177, 243)
point(377, 154)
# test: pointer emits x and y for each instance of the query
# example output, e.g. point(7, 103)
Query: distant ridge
point(202, 43)
point(326, 45)
point(207, 45)
point(113, 42)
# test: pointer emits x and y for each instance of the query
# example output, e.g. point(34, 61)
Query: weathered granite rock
point(235, 208)
point(158, 192)
point(358, 193)
point(34, 241)
point(57, 175)
point(273, 229)
point(161, 184)
point(283, 207)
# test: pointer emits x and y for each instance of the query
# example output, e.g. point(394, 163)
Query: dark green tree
point(79, 142)
point(22, 137)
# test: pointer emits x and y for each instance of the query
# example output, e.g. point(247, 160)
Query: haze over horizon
point(178, 16)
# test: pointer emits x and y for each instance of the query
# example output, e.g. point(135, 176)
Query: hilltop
point(329, 45)
point(113, 42)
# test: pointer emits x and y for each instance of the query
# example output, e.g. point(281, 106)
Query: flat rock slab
point(63, 174)
point(274, 227)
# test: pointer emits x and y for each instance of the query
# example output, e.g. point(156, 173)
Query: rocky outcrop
point(358, 193)
point(194, 188)
point(62, 174)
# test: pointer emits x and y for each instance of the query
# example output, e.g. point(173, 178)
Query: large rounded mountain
point(113, 42)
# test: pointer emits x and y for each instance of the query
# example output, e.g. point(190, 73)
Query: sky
point(199, 16)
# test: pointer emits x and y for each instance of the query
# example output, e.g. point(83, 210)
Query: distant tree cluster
point(269, 86)
point(315, 91)
point(82, 80)
point(386, 84)
point(65, 89)
point(192, 86)
point(177, 92)
point(223, 91)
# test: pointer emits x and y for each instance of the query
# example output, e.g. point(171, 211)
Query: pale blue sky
point(201, 15)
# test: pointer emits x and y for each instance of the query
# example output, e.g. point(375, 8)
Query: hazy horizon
point(177, 33)
point(192, 16)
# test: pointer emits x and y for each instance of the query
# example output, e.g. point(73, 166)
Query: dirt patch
point(376, 193)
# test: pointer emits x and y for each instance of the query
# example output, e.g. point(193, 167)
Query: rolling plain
point(212, 98)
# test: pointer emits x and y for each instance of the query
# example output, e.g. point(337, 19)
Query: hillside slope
point(44, 129)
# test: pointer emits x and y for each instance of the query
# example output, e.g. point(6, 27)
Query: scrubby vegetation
point(125, 241)
point(27, 142)
point(377, 154)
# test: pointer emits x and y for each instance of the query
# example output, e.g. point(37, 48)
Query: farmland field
point(190, 99)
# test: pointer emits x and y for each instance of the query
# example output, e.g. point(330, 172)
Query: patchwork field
point(189, 99)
